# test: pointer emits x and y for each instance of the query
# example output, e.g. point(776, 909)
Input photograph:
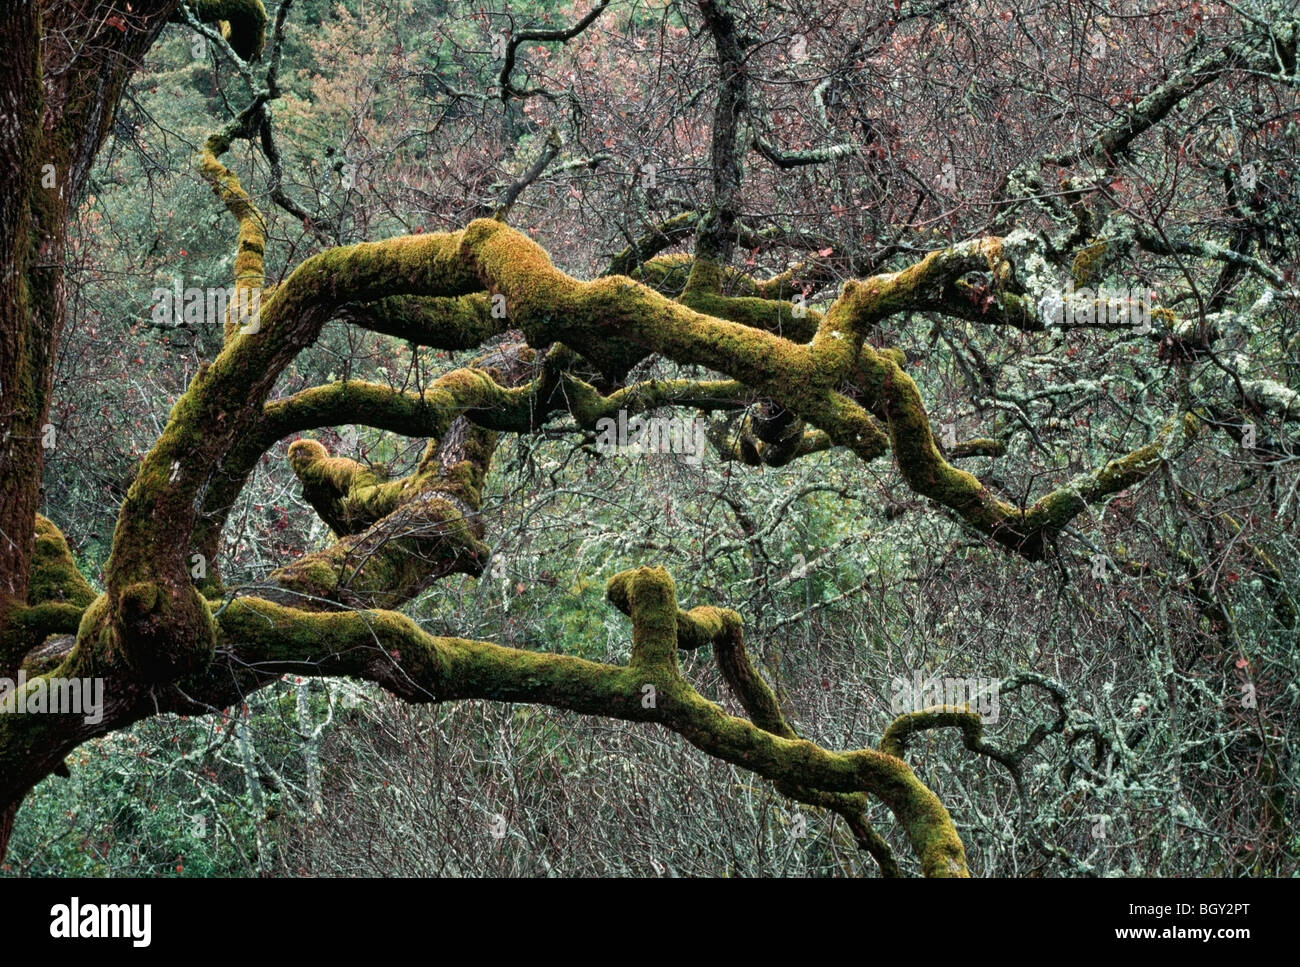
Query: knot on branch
point(649, 597)
point(162, 630)
point(342, 491)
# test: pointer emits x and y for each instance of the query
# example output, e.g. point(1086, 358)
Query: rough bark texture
point(64, 68)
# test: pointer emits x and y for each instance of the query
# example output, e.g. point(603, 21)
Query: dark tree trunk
point(61, 76)
point(23, 388)
point(6, 828)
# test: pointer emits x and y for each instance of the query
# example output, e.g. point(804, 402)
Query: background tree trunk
point(61, 77)
point(24, 388)
point(6, 828)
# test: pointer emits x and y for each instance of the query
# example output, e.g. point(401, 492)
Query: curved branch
point(508, 88)
point(267, 639)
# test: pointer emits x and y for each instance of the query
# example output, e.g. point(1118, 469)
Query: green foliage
point(171, 796)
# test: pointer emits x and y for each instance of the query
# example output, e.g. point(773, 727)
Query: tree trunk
point(61, 77)
point(6, 828)
point(24, 389)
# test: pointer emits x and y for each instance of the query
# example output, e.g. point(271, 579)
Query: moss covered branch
point(250, 249)
point(419, 529)
point(263, 639)
point(613, 322)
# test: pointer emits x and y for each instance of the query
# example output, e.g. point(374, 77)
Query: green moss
point(456, 322)
point(979, 447)
point(649, 596)
point(347, 495)
point(666, 274)
point(161, 632)
point(250, 247)
point(705, 625)
point(54, 574)
point(782, 318)
point(1088, 262)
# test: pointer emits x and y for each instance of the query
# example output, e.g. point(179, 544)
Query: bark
point(62, 75)
point(716, 237)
